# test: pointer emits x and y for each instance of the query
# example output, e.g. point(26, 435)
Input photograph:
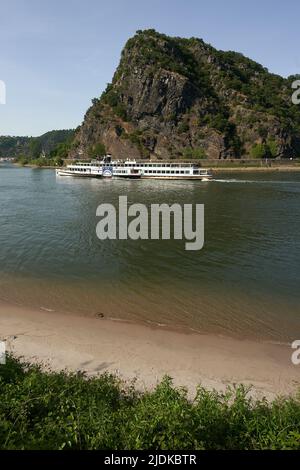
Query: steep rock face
point(181, 98)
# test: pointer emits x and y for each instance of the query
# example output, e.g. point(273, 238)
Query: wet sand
point(146, 354)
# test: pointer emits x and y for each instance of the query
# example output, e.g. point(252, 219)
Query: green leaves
point(266, 150)
point(47, 410)
point(197, 152)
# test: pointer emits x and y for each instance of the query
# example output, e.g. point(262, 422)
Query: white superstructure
point(136, 169)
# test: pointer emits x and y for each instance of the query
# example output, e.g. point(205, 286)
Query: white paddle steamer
point(108, 168)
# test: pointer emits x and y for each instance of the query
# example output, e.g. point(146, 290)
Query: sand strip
point(133, 351)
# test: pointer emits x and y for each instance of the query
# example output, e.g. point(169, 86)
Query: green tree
point(35, 147)
point(267, 150)
point(258, 151)
point(273, 147)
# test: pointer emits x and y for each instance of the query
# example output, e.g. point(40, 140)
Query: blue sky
point(57, 55)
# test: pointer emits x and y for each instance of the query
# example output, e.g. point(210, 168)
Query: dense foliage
point(13, 146)
point(46, 410)
point(48, 148)
point(266, 150)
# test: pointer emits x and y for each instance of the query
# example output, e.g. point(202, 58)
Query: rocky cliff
point(182, 98)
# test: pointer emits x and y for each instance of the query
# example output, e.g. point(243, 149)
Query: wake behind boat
point(132, 169)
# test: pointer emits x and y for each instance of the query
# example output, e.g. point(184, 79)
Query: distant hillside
point(13, 146)
point(32, 147)
point(174, 97)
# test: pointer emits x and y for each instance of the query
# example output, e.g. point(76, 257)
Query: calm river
point(244, 282)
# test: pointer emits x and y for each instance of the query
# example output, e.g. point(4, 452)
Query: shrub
point(197, 152)
point(58, 410)
point(273, 147)
point(267, 150)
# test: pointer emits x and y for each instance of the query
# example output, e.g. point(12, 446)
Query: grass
point(48, 410)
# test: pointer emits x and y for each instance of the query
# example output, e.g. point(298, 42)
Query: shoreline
point(29, 165)
point(271, 169)
point(144, 354)
point(218, 169)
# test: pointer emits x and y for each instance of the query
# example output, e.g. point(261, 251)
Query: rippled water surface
point(244, 282)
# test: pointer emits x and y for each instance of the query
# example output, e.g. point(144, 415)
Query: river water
point(245, 282)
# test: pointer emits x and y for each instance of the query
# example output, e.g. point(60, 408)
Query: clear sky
point(56, 55)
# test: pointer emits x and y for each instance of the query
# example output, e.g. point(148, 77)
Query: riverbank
point(29, 165)
point(146, 354)
point(271, 169)
point(219, 168)
point(215, 169)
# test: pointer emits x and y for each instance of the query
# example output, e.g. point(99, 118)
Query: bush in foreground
point(47, 410)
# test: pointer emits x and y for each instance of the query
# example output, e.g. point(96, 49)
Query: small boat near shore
point(132, 169)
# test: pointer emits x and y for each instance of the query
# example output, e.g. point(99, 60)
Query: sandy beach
point(146, 354)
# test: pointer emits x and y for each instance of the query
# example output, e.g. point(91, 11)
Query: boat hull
point(78, 175)
point(133, 177)
point(181, 178)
